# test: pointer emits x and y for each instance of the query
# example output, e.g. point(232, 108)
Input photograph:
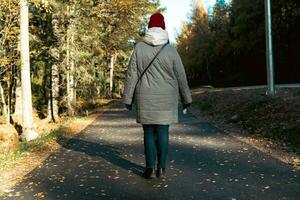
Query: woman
point(155, 78)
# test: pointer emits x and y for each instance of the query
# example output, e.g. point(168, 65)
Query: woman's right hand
point(186, 105)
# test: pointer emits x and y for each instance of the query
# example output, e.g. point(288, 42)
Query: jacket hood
point(156, 36)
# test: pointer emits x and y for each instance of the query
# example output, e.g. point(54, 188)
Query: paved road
point(278, 86)
point(106, 161)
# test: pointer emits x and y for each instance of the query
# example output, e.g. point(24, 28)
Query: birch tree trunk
point(54, 92)
point(111, 75)
point(4, 105)
point(28, 134)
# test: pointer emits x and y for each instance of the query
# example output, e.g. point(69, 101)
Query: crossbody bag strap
point(151, 63)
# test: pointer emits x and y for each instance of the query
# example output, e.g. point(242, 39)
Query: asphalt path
point(106, 160)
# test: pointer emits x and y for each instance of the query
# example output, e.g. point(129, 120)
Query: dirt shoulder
point(271, 124)
point(30, 155)
point(16, 168)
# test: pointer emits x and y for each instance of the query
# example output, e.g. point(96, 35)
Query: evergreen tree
point(235, 50)
point(220, 3)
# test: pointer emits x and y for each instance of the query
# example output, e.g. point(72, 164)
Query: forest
point(65, 132)
point(227, 47)
point(79, 50)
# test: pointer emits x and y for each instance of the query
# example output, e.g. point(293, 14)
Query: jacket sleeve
point(131, 79)
point(184, 89)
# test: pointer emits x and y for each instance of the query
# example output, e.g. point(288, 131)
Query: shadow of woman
point(109, 153)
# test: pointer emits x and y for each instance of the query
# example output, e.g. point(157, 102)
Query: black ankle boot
point(149, 173)
point(161, 173)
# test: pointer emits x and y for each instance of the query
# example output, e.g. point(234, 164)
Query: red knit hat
point(157, 20)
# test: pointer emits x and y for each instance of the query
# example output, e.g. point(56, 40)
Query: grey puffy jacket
point(157, 93)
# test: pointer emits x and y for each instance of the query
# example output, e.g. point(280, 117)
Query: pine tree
point(220, 3)
point(192, 44)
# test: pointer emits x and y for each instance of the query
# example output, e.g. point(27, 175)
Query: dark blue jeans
point(156, 144)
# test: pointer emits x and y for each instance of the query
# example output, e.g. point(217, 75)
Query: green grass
point(34, 145)
point(37, 144)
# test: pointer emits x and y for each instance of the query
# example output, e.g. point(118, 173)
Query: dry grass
point(28, 155)
point(276, 118)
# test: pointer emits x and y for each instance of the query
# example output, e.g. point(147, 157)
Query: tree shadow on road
point(107, 152)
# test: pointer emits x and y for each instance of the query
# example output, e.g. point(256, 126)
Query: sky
point(177, 11)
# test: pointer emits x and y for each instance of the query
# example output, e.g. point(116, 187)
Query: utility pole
point(269, 48)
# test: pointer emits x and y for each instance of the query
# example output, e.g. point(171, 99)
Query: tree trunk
point(4, 107)
point(69, 105)
point(28, 134)
point(54, 92)
point(18, 99)
point(111, 75)
point(71, 92)
point(72, 69)
point(11, 90)
point(208, 72)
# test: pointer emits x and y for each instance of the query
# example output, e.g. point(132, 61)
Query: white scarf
point(156, 36)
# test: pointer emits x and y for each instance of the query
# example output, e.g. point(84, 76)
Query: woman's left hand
point(128, 107)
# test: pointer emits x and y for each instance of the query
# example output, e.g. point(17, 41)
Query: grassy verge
point(276, 118)
point(67, 127)
point(49, 138)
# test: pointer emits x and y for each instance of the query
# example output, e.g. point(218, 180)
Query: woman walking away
point(155, 78)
